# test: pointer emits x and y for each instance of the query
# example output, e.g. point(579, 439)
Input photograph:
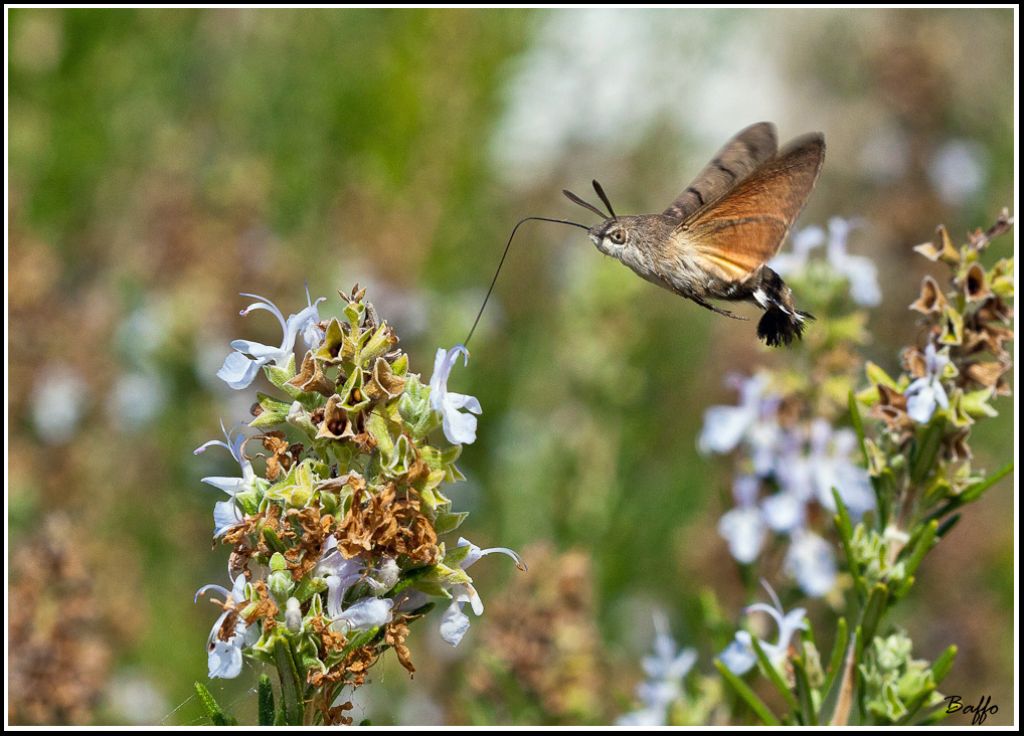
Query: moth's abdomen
point(782, 321)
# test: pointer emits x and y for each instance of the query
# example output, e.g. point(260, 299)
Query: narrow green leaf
point(747, 695)
point(769, 671)
point(213, 709)
point(947, 526)
point(858, 423)
point(845, 529)
point(883, 486)
point(915, 705)
point(804, 693)
point(291, 684)
point(937, 715)
point(939, 670)
point(872, 614)
point(925, 541)
point(943, 664)
point(925, 450)
point(265, 697)
point(838, 701)
point(835, 661)
point(973, 492)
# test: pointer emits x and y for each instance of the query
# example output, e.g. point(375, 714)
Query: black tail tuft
point(779, 327)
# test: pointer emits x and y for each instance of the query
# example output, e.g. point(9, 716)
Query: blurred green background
point(162, 161)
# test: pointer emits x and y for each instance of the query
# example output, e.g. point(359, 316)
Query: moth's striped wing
point(733, 237)
point(739, 157)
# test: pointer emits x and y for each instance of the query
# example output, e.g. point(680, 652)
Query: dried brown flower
point(931, 300)
point(389, 523)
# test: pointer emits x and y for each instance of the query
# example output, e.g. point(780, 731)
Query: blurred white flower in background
point(131, 697)
point(795, 467)
point(137, 398)
point(860, 271)
point(958, 170)
point(744, 527)
point(58, 400)
point(665, 671)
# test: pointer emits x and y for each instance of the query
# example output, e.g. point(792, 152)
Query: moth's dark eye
point(617, 236)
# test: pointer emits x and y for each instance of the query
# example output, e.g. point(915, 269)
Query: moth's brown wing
point(739, 157)
point(735, 236)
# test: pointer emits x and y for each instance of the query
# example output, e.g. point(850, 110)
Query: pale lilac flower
point(808, 468)
point(860, 271)
point(958, 170)
point(744, 526)
point(459, 427)
point(784, 511)
point(137, 398)
point(832, 467)
point(225, 657)
point(811, 562)
point(804, 241)
point(454, 623)
point(332, 562)
point(362, 615)
point(340, 575)
point(927, 392)
point(726, 426)
point(805, 462)
point(739, 656)
point(240, 367)
point(226, 513)
point(665, 670)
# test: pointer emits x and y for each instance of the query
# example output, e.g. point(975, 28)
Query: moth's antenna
point(604, 198)
point(584, 203)
point(502, 263)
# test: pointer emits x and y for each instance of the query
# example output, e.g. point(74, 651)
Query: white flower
point(58, 402)
point(927, 392)
point(809, 469)
point(958, 170)
point(743, 527)
point(363, 615)
point(804, 241)
point(832, 467)
point(240, 367)
point(459, 428)
point(739, 656)
point(860, 271)
point(224, 657)
point(784, 511)
point(811, 562)
point(340, 575)
point(137, 398)
point(726, 426)
point(226, 513)
point(454, 623)
point(665, 672)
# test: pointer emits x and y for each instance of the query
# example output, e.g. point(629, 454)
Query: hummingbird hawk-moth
point(715, 239)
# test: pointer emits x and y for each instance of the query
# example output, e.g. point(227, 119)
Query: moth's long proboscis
point(502, 263)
